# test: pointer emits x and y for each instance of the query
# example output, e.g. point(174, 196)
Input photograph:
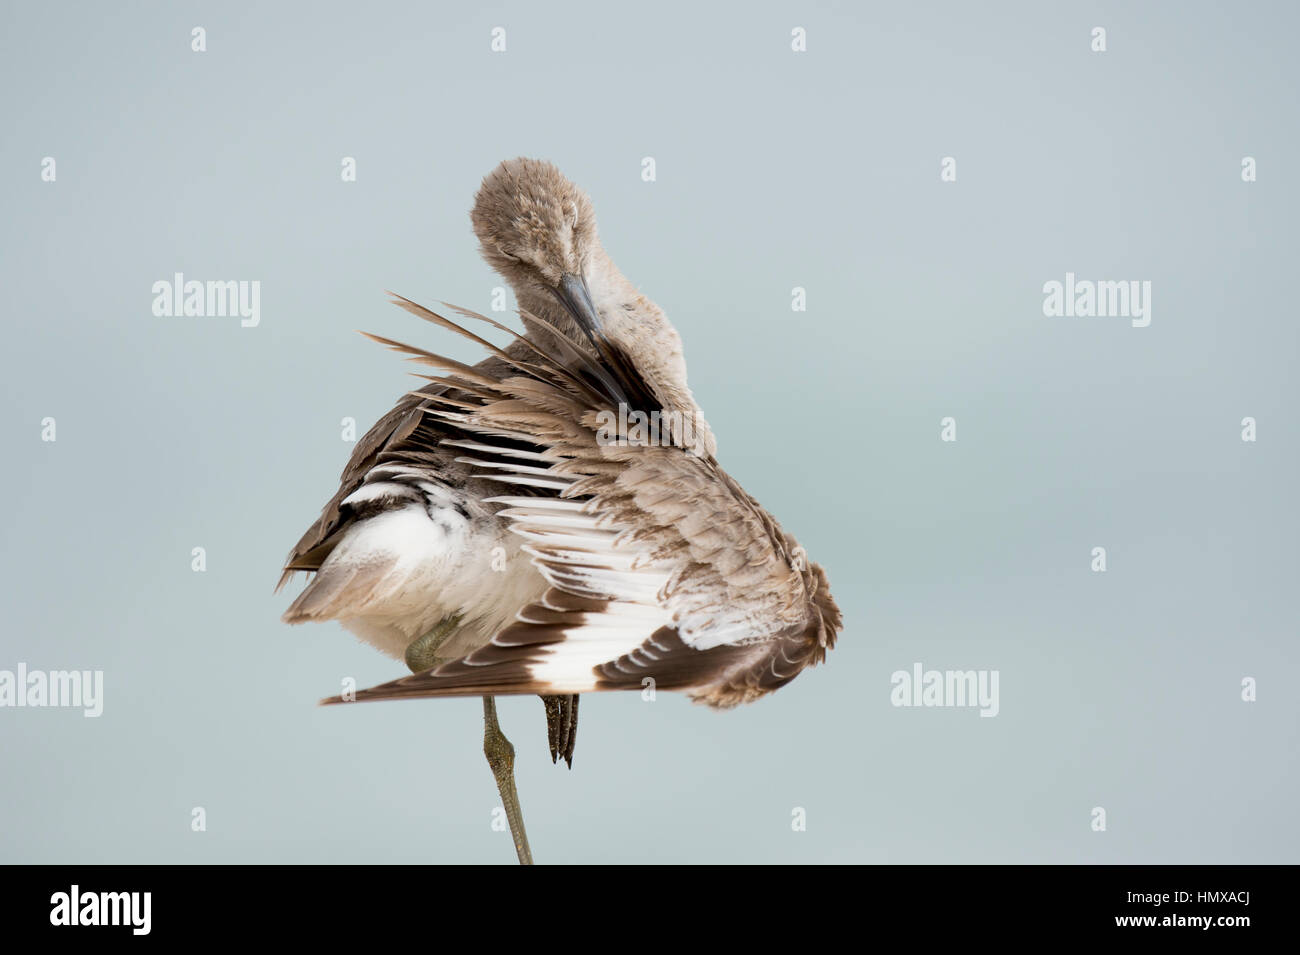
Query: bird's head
point(534, 226)
point(538, 231)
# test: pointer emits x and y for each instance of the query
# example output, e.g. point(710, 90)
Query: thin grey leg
point(501, 757)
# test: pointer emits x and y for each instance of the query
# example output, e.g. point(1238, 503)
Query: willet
point(553, 520)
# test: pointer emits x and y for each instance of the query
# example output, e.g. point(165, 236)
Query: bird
point(553, 520)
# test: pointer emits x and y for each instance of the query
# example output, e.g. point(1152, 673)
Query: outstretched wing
point(660, 567)
point(404, 437)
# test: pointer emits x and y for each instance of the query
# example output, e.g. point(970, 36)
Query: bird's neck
point(637, 326)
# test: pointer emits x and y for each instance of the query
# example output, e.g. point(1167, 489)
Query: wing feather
point(660, 567)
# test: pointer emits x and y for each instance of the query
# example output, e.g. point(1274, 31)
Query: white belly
point(394, 576)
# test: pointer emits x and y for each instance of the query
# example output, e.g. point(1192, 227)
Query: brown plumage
point(735, 610)
point(621, 562)
point(553, 520)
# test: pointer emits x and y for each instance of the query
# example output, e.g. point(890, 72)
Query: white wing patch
point(577, 555)
point(582, 552)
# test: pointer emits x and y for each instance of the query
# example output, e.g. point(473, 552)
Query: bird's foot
point(422, 655)
point(561, 726)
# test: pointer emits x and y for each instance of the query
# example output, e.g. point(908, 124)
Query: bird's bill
point(576, 299)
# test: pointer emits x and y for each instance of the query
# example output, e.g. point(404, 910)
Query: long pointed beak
point(576, 299)
point(625, 380)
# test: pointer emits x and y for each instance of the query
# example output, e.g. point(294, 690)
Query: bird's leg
point(501, 757)
point(421, 655)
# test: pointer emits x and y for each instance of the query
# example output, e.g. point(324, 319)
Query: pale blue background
point(775, 170)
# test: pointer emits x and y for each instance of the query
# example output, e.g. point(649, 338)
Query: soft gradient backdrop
point(775, 169)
